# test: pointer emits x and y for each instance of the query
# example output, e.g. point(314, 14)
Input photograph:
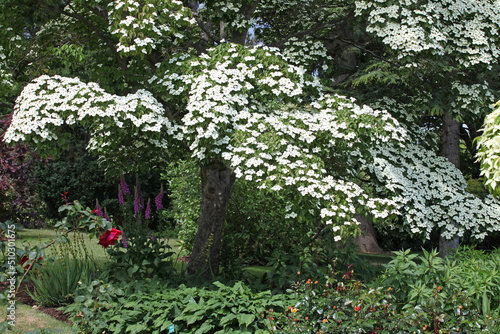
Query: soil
point(22, 296)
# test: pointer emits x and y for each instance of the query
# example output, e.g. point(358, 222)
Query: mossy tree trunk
point(367, 241)
point(217, 181)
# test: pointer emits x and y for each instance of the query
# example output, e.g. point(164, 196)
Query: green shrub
point(255, 231)
point(79, 175)
point(151, 307)
point(346, 305)
point(55, 283)
point(472, 273)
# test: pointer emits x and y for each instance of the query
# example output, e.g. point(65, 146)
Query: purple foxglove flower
point(124, 242)
point(159, 199)
point(120, 195)
point(148, 210)
point(153, 237)
point(106, 216)
point(98, 210)
point(124, 185)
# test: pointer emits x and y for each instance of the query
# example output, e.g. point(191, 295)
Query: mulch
point(22, 296)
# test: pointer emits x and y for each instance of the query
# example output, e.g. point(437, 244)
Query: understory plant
point(139, 253)
point(347, 305)
point(149, 306)
point(471, 273)
point(55, 283)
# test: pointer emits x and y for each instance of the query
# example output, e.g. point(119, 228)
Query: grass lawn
point(32, 237)
point(28, 318)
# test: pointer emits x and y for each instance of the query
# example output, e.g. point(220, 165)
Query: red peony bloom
point(109, 237)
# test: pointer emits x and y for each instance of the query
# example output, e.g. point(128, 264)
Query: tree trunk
point(216, 185)
point(451, 151)
point(367, 241)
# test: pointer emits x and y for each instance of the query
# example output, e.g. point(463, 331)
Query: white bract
point(119, 125)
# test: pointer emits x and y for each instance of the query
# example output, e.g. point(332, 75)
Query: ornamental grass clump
point(56, 282)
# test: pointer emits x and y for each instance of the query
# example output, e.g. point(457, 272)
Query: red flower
point(356, 308)
point(109, 237)
point(24, 259)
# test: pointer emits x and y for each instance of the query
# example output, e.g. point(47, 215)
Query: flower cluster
point(141, 26)
point(227, 12)
point(471, 99)
point(464, 29)
point(306, 52)
point(49, 102)
point(429, 191)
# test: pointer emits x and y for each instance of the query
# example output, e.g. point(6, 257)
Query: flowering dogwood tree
point(442, 46)
point(247, 113)
point(158, 79)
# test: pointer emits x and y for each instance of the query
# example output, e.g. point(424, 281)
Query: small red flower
point(109, 238)
point(25, 259)
point(356, 308)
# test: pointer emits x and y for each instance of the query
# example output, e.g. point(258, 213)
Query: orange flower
point(315, 282)
point(307, 318)
point(295, 319)
point(425, 327)
point(298, 272)
point(294, 310)
point(439, 288)
point(389, 289)
point(325, 320)
point(460, 307)
point(356, 308)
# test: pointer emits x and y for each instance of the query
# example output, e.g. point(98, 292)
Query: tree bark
point(451, 151)
point(367, 242)
point(216, 185)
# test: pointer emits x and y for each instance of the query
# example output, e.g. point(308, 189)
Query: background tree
point(440, 49)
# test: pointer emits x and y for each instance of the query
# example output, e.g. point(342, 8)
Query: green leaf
point(246, 319)
point(205, 327)
point(227, 318)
